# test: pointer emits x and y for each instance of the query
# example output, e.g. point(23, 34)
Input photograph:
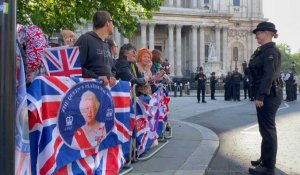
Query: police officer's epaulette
point(270, 57)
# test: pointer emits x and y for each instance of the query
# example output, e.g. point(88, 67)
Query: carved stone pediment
point(237, 34)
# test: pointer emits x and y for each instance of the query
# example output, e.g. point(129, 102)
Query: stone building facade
point(214, 34)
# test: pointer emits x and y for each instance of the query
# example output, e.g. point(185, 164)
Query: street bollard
point(181, 90)
point(185, 88)
point(188, 88)
point(175, 90)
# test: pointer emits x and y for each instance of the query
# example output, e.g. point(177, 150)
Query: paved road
point(240, 140)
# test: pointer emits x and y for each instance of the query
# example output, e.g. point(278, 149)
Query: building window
point(206, 52)
point(235, 53)
point(206, 7)
point(236, 2)
point(206, 1)
point(158, 48)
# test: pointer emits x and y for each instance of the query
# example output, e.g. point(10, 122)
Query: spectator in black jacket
point(95, 56)
point(126, 68)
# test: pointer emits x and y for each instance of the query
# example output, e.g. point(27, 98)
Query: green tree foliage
point(296, 58)
point(288, 59)
point(54, 15)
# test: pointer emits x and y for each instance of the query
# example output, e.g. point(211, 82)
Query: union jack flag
point(105, 162)
point(50, 154)
point(151, 113)
point(22, 153)
point(62, 61)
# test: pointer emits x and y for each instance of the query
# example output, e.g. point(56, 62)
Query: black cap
point(265, 26)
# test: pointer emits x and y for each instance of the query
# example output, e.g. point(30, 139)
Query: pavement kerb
point(198, 162)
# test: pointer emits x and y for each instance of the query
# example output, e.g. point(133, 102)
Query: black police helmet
point(265, 26)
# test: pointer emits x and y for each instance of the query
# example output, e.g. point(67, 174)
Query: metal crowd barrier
point(162, 140)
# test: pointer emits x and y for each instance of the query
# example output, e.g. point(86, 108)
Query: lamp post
point(7, 85)
point(236, 60)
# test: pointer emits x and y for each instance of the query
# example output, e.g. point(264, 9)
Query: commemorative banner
point(86, 115)
point(76, 121)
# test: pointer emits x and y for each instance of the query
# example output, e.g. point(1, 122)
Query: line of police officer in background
point(291, 81)
point(232, 86)
point(233, 79)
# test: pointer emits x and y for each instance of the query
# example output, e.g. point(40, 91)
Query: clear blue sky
point(285, 14)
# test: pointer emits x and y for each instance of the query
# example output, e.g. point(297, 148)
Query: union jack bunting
point(62, 61)
point(151, 113)
point(50, 140)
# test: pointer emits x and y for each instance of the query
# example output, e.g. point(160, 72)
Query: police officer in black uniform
point(236, 79)
point(201, 78)
point(212, 82)
point(264, 67)
point(289, 85)
point(227, 87)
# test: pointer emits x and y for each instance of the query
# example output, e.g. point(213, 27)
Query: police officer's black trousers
point(267, 128)
point(201, 88)
point(289, 92)
point(236, 91)
point(295, 91)
point(227, 93)
point(246, 90)
point(212, 92)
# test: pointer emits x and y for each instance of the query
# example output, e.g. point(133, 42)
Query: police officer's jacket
point(201, 78)
point(264, 67)
point(236, 78)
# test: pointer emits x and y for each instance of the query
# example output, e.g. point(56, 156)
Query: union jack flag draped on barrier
point(151, 114)
point(50, 137)
point(62, 61)
point(22, 153)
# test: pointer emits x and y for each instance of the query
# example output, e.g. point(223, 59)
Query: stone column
point(171, 48)
point(201, 4)
point(224, 43)
point(178, 50)
point(170, 3)
point(218, 45)
point(143, 35)
point(178, 3)
point(249, 46)
point(202, 45)
point(117, 37)
point(125, 40)
point(194, 4)
point(260, 8)
point(151, 36)
point(194, 47)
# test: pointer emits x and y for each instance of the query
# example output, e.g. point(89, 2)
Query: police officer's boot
point(255, 162)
